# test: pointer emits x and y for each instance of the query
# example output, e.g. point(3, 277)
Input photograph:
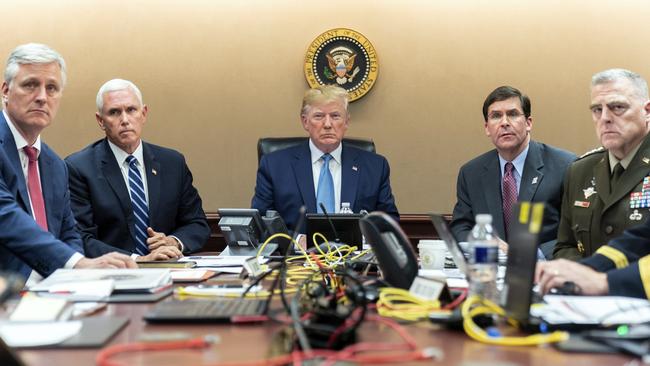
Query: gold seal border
point(373, 65)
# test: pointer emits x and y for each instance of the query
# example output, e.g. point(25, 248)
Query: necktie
point(325, 192)
point(616, 176)
point(34, 187)
point(509, 195)
point(139, 204)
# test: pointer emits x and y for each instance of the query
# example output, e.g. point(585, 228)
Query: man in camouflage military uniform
point(608, 190)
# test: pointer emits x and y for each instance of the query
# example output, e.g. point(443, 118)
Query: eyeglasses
point(511, 115)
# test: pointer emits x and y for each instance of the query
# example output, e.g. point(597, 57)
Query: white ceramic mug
point(432, 254)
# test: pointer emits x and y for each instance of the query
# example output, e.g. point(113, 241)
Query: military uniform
point(626, 260)
point(591, 215)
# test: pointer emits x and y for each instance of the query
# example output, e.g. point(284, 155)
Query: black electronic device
point(392, 248)
point(523, 237)
point(345, 228)
point(244, 231)
point(275, 225)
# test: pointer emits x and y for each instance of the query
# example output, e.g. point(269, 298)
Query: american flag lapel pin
point(354, 167)
point(534, 180)
point(154, 172)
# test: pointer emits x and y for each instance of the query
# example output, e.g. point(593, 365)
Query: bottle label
point(485, 254)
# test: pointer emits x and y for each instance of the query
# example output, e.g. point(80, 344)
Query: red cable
point(103, 356)
point(457, 301)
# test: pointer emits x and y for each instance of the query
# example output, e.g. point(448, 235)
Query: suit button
point(608, 229)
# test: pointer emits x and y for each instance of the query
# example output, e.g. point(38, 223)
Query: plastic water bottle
point(345, 208)
point(483, 259)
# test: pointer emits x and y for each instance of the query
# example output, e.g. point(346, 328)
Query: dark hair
point(503, 93)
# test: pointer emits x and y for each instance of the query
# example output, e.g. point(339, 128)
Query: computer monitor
point(244, 231)
point(392, 248)
point(346, 228)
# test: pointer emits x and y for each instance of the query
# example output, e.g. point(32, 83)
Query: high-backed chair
point(267, 145)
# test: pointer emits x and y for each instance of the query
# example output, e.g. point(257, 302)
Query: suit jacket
point(285, 182)
point(102, 206)
point(24, 244)
point(626, 260)
point(479, 189)
point(592, 215)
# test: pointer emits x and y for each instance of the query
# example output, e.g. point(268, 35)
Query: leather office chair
point(267, 145)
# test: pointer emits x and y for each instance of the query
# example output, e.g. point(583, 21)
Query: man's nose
point(328, 121)
point(41, 95)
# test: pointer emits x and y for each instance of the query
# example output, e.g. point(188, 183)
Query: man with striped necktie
point(130, 195)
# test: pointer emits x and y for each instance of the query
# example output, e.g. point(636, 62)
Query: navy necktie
point(139, 204)
point(325, 192)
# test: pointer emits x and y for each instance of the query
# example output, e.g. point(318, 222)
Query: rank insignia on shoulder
point(584, 204)
point(591, 152)
point(581, 248)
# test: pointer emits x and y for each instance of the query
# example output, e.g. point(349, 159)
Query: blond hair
point(324, 94)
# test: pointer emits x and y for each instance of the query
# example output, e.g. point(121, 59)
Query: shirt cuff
point(179, 242)
point(73, 260)
point(134, 256)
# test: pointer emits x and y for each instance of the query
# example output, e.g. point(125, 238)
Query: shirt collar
point(121, 155)
point(316, 153)
point(625, 162)
point(518, 162)
point(18, 138)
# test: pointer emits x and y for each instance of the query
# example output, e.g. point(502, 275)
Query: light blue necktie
point(140, 208)
point(325, 193)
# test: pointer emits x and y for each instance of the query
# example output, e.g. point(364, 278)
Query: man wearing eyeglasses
point(608, 189)
point(518, 169)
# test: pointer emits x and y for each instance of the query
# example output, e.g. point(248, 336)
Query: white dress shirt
point(335, 170)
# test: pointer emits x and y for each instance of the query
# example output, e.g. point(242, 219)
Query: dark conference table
point(251, 342)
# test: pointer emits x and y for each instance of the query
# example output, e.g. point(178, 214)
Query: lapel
point(152, 167)
point(491, 179)
point(349, 176)
point(639, 168)
point(113, 175)
point(18, 178)
point(533, 174)
point(601, 176)
point(301, 166)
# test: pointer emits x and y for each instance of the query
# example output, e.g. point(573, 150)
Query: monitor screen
point(346, 228)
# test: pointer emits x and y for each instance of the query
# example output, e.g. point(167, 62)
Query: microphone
point(329, 220)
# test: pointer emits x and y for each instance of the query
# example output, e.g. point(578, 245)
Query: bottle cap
point(483, 219)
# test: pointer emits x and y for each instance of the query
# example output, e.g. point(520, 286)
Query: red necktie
point(34, 187)
point(509, 195)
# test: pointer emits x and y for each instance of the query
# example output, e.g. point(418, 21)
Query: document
point(38, 334)
point(125, 280)
point(605, 310)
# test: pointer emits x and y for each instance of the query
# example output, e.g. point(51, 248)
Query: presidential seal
point(342, 57)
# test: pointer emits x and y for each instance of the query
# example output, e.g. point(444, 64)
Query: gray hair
point(115, 85)
point(612, 75)
point(324, 94)
point(32, 53)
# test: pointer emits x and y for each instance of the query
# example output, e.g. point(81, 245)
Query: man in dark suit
point(620, 268)
point(518, 169)
point(152, 216)
point(37, 228)
point(608, 189)
point(296, 176)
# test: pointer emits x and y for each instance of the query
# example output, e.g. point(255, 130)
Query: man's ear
point(100, 121)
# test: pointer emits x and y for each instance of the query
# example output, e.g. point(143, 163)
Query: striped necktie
point(140, 208)
point(509, 195)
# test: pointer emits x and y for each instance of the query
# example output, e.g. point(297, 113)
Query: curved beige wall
point(218, 74)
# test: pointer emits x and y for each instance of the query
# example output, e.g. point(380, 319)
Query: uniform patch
point(584, 204)
point(589, 192)
point(636, 216)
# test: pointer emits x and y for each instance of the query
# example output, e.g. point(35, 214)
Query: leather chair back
point(267, 145)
